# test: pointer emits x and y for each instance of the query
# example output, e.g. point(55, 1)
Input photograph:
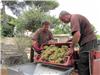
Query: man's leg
point(31, 55)
point(83, 63)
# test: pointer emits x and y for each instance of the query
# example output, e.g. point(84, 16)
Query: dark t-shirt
point(42, 37)
point(80, 23)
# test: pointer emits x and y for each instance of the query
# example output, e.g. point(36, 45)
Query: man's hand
point(37, 48)
point(76, 38)
point(71, 51)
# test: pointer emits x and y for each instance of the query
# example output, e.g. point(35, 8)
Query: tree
point(32, 20)
point(98, 37)
point(9, 4)
point(17, 7)
point(62, 29)
point(7, 29)
point(45, 6)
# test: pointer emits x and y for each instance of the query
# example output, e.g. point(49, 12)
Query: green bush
point(23, 43)
point(7, 31)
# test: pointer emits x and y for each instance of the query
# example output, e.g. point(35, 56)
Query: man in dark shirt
point(83, 35)
point(41, 36)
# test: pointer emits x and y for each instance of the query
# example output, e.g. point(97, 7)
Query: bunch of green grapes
point(54, 54)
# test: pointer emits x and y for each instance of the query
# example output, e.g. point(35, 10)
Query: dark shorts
point(92, 45)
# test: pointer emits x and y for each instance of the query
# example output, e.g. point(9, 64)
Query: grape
point(54, 53)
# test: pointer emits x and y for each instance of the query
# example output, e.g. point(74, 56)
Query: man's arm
point(76, 38)
point(51, 38)
point(36, 46)
point(34, 42)
point(75, 27)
